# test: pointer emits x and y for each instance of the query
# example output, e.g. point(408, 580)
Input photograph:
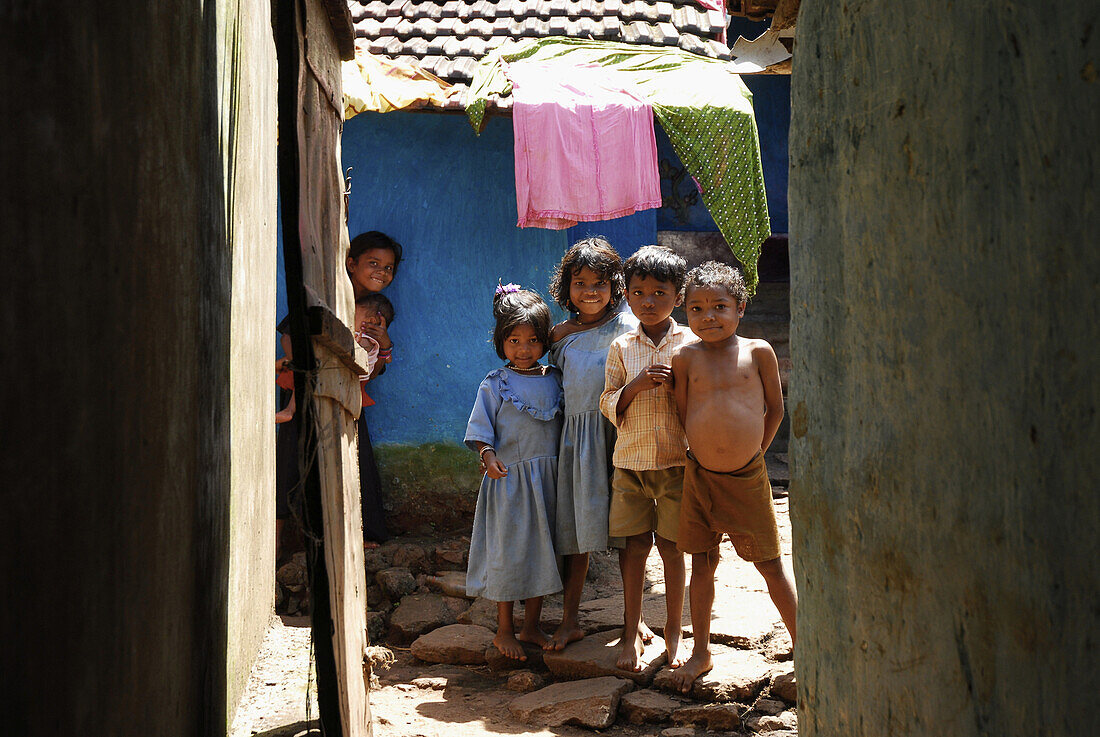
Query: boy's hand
point(654, 376)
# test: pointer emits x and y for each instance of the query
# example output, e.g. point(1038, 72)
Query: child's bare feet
point(630, 658)
point(646, 632)
point(696, 665)
point(535, 637)
point(676, 654)
point(509, 646)
point(563, 635)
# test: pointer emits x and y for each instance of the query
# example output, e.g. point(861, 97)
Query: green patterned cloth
point(705, 109)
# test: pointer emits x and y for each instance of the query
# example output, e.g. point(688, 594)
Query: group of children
point(638, 430)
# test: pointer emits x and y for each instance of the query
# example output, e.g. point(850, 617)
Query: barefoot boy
point(650, 449)
point(729, 397)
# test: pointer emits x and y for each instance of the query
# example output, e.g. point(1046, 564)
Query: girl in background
point(514, 427)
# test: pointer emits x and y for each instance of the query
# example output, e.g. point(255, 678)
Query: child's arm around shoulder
point(763, 357)
point(561, 330)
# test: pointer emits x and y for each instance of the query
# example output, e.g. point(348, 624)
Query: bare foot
point(537, 638)
point(509, 646)
point(676, 654)
point(646, 632)
point(630, 658)
point(696, 665)
point(562, 637)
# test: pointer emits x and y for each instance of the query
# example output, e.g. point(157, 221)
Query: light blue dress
point(587, 438)
point(512, 553)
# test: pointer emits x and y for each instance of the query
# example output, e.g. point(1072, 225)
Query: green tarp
point(705, 109)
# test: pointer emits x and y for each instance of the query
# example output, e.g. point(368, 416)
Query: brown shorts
point(738, 503)
point(646, 501)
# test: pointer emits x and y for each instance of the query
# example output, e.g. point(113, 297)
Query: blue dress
point(587, 438)
point(512, 546)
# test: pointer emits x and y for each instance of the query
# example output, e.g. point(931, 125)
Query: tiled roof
point(449, 38)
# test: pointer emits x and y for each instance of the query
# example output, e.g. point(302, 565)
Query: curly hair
point(658, 262)
point(594, 253)
point(522, 307)
point(715, 275)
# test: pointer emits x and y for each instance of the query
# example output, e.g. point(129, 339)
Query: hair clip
point(507, 288)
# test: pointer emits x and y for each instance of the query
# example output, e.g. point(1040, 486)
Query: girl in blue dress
point(589, 283)
point(514, 427)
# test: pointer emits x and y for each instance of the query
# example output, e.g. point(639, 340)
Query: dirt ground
point(415, 699)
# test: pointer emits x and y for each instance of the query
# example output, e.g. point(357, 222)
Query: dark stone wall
point(943, 393)
point(115, 298)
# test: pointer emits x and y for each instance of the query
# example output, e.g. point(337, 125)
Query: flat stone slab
point(498, 662)
point(455, 643)
point(484, 613)
point(592, 703)
point(595, 655)
point(711, 716)
point(418, 614)
point(649, 707)
point(738, 675)
point(740, 618)
point(601, 615)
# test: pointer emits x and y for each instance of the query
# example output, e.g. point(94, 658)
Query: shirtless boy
point(730, 400)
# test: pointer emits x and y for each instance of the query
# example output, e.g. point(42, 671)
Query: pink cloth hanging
point(584, 147)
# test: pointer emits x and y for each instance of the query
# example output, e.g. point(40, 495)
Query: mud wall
point(136, 209)
point(943, 205)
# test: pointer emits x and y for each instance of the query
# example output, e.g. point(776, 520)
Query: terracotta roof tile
point(447, 38)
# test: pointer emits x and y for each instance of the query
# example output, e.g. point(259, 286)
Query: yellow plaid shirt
point(651, 435)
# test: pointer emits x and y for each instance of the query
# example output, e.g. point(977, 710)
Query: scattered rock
point(430, 684)
point(786, 721)
point(779, 492)
point(603, 570)
point(456, 605)
point(375, 560)
point(451, 583)
point(778, 470)
point(738, 675)
point(410, 556)
point(376, 626)
point(455, 643)
point(293, 575)
point(396, 583)
point(711, 716)
point(591, 703)
point(648, 707)
point(678, 732)
point(416, 615)
point(524, 681)
point(771, 707)
point(453, 553)
point(785, 686)
point(779, 647)
point(498, 662)
point(482, 613)
point(374, 595)
point(595, 655)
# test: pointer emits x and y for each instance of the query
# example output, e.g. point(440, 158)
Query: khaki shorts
point(646, 501)
point(738, 503)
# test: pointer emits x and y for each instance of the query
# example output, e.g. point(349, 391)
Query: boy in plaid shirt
point(651, 447)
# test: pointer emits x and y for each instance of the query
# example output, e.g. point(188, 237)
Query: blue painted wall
point(449, 198)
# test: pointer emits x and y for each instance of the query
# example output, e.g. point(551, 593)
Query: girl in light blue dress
point(588, 282)
point(514, 427)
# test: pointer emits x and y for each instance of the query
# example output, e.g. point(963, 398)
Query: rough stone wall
point(125, 343)
point(944, 212)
